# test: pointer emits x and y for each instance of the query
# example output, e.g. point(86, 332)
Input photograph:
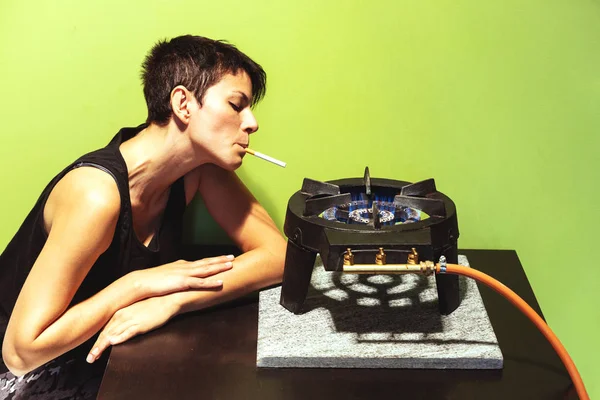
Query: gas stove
point(371, 222)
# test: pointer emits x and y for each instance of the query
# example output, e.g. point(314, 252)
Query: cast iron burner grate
point(360, 219)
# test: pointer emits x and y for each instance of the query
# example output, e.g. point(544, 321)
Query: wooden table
point(212, 355)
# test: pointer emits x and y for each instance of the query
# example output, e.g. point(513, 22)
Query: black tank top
point(125, 253)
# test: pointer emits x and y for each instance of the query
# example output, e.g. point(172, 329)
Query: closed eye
point(235, 107)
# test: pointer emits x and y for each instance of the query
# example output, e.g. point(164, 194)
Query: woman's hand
point(180, 276)
point(136, 319)
point(156, 307)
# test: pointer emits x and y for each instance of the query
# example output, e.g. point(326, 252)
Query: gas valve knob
point(380, 257)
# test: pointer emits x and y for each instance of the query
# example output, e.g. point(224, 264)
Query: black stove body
point(365, 215)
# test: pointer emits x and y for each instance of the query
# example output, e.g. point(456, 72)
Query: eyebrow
point(244, 96)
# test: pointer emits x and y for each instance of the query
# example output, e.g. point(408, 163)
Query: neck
point(156, 157)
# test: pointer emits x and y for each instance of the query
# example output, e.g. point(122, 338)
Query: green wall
point(498, 101)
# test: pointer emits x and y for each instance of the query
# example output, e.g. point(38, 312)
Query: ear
point(181, 102)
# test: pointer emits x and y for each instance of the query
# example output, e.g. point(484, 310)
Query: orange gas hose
point(530, 313)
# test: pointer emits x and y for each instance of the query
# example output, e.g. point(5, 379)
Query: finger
point(125, 335)
point(115, 324)
point(98, 348)
point(199, 283)
point(212, 260)
point(210, 270)
point(118, 330)
point(105, 340)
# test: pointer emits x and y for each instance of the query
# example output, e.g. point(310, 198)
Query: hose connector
point(442, 264)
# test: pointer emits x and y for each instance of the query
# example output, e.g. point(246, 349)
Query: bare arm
point(260, 265)
point(251, 228)
point(80, 216)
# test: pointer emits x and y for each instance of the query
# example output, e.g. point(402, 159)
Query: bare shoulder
point(85, 193)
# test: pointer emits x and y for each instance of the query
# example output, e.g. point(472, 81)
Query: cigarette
point(265, 157)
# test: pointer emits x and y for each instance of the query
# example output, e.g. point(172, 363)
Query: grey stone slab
point(376, 321)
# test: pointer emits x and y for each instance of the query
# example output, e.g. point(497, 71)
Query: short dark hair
point(197, 63)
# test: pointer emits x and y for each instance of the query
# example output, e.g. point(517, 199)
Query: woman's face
point(224, 122)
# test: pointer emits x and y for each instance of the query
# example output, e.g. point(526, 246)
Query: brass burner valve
point(413, 258)
point(348, 257)
point(380, 257)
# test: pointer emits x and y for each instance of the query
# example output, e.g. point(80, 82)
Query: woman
point(98, 252)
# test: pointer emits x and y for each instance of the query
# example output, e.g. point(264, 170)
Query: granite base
point(376, 321)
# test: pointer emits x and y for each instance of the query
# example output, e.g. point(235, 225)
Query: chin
point(237, 165)
point(231, 165)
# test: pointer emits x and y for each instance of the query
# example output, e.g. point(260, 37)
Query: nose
point(249, 124)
